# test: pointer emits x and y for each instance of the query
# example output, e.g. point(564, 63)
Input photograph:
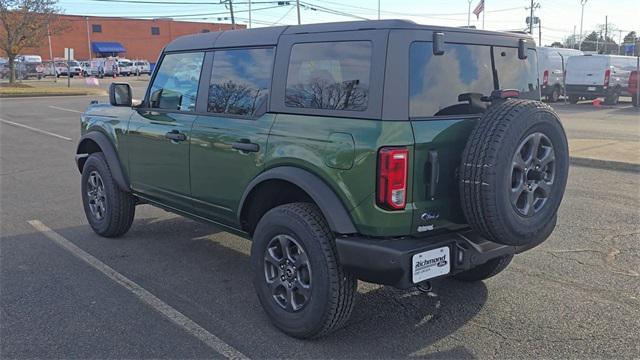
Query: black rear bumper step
point(388, 261)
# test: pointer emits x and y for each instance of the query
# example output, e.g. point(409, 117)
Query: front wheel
point(108, 209)
point(554, 96)
point(299, 281)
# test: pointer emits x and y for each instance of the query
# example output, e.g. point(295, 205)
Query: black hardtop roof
point(269, 35)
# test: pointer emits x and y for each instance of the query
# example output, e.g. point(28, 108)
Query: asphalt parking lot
point(575, 296)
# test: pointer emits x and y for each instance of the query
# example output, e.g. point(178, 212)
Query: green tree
point(557, 44)
point(630, 38)
point(24, 24)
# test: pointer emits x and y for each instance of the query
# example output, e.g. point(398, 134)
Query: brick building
point(140, 39)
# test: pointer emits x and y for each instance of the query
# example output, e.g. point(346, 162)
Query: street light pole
point(469, 14)
point(249, 14)
point(582, 2)
point(298, 9)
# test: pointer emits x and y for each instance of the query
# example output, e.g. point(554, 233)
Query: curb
point(605, 164)
point(9, 96)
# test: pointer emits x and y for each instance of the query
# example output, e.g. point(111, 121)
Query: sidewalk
point(609, 154)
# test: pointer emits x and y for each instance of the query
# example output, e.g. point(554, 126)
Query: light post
point(469, 14)
point(582, 2)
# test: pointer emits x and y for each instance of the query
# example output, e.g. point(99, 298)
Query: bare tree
point(25, 24)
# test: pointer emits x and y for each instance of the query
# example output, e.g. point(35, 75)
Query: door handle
point(175, 135)
point(245, 145)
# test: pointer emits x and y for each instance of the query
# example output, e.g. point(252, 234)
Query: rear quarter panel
point(321, 146)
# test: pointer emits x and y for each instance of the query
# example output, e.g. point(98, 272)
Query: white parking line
point(34, 129)
point(65, 109)
point(145, 296)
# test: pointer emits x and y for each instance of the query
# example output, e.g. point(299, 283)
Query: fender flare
point(334, 212)
point(110, 154)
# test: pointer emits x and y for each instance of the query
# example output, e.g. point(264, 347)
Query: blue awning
point(107, 47)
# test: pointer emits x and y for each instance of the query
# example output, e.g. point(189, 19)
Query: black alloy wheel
point(532, 174)
point(288, 272)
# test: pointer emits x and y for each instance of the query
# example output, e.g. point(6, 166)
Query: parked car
point(49, 68)
point(69, 68)
point(551, 66)
point(142, 67)
point(109, 66)
point(126, 67)
point(29, 66)
point(592, 76)
point(385, 151)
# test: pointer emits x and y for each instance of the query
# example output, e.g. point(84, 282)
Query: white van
point(593, 76)
point(126, 67)
point(551, 65)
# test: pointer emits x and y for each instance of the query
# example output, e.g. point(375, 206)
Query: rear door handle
point(246, 145)
point(175, 135)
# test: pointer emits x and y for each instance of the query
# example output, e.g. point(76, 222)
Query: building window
point(155, 30)
point(96, 28)
point(205, 30)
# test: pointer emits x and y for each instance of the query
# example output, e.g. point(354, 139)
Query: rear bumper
point(389, 261)
point(583, 90)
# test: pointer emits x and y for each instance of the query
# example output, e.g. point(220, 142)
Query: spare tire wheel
point(514, 172)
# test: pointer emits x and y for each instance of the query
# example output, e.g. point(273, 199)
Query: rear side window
point(514, 73)
point(240, 81)
point(437, 81)
point(329, 75)
point(175, 86)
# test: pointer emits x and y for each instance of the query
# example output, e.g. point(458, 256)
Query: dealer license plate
point(432, 263)
point(591, 88)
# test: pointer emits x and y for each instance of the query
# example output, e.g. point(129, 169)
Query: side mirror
point(438, 43)
point(120, 94)
point(522, 49)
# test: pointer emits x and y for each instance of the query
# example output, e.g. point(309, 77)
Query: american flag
point(479, 9)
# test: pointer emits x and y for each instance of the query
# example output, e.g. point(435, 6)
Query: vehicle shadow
point(205, 273)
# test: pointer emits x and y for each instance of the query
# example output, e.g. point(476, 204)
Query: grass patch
point(22, 91)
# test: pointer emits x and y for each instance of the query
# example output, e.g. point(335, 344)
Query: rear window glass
point(240, 81)
point(329, 75)
point(514, 73)
point(436, 82)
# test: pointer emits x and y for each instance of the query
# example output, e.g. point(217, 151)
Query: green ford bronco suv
point(385, 151)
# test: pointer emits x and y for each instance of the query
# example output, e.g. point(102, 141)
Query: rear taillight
point(392, 178)
point(607, 76)
point(633, 80)
point(545, 77)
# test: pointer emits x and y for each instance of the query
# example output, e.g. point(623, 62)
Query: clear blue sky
point(558, 16)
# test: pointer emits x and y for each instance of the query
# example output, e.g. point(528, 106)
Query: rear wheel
point(108, 209)
point(555, 95)
point(481, 272)
point(573, 99)
point(299, 281)
point(612, 99)
point(514, 172)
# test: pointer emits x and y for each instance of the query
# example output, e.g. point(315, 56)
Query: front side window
point(330, 75)
point(515, 73)
point(438, 83)
point(175, 86)
point(240, 81)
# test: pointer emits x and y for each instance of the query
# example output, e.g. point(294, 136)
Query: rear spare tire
point(514, 172)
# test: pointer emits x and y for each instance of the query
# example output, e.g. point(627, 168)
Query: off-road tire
point(120, 205)
point(332, 288)
point(484, 271)
point(486, 172)
point(573, 99)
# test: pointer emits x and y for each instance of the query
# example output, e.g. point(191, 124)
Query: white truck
point(592, 76)
point(126, 67)
point(551, 66)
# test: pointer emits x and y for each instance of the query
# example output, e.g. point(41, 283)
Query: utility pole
point(88, 37)
point(469, 14)
point(298, 9)
point(573, 42)
point(378, 9)
point(583, 3)
point(531, 19)
point(53, 66)
point(619, 42)
point(233, 19)
point(249, 14)
point(539, 32)
point(606, 28)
